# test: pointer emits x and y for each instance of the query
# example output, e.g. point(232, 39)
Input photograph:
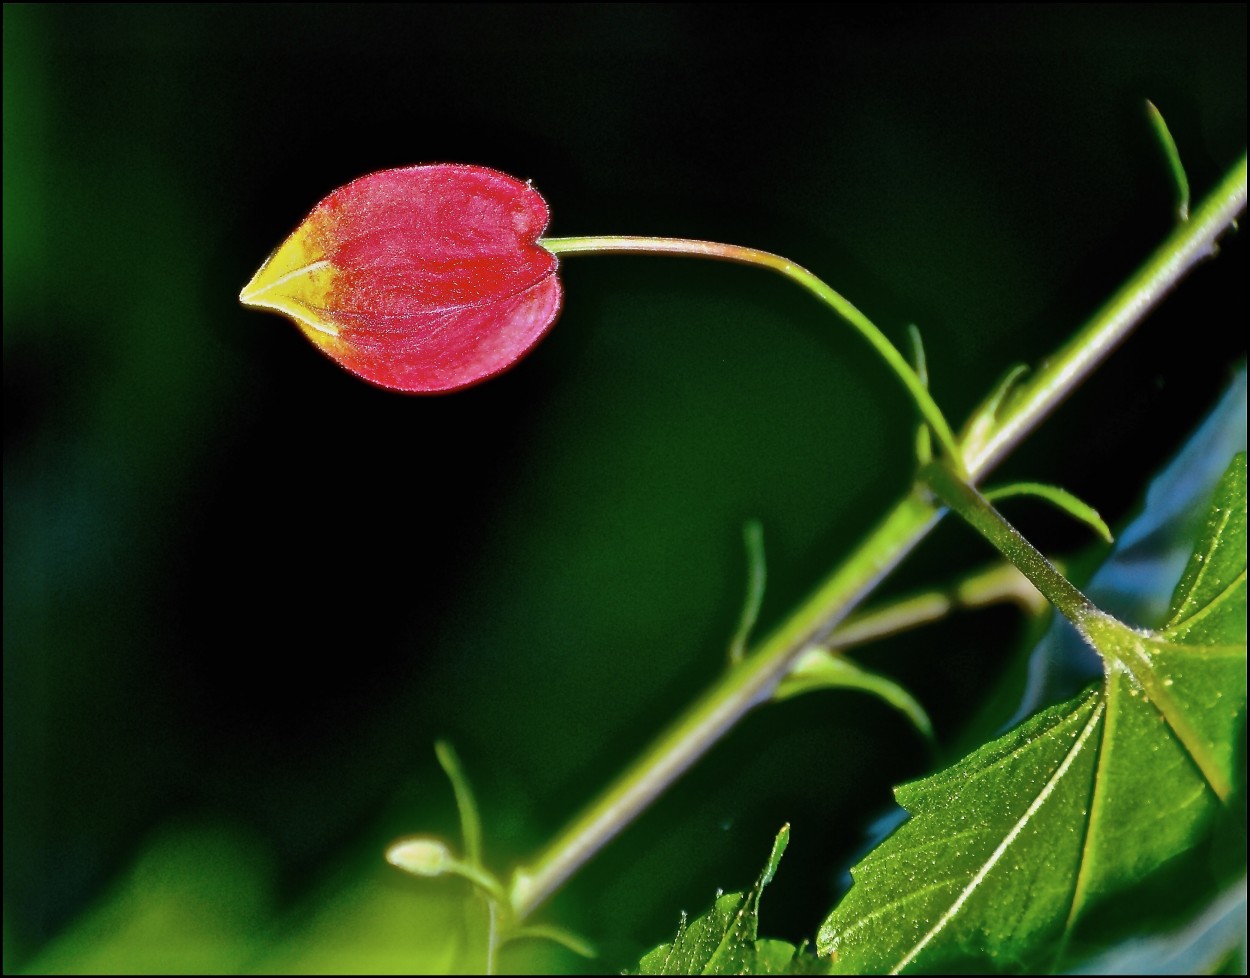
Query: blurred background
point(244, 592)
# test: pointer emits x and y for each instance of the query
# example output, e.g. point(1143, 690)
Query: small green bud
point(421, 856)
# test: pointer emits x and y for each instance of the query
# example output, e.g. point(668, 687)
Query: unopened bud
point(421, 856)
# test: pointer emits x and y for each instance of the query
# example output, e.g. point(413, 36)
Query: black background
point(244, 589)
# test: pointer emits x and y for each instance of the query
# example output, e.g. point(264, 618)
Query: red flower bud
point(422, 279)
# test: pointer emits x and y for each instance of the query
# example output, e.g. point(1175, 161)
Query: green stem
point(627, 245)
point(981, 515)
point(753, 680)
point(1187, 245)
point(490, 887)
point(1000, 583)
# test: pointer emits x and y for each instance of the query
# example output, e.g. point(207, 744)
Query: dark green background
point(244, 591)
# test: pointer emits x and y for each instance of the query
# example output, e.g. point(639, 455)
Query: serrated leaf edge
point(1001, 849)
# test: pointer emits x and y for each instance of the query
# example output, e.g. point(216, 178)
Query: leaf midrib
point(1159, 697)
point(1001, 849)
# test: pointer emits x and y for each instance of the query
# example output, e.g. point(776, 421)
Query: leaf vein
point(903, 901)
point(1206, 563)
point(1174, 717)
point(1047, 790)
point(1207, 608)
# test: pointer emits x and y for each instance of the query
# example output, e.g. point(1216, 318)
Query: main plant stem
point(753, 680)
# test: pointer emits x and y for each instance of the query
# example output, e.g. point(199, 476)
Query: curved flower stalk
point(428, 279)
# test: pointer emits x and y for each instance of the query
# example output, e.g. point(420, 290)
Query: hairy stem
point(753, 680)
point(979, 513)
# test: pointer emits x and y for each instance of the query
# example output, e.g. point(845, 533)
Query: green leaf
point(470, 823)
point(757, 577)
point(724, 941)
point(1173, 156)
point(819, 668)
point(1007, 852)
point(558, 935)
point(1075, 507)
point(924, 444)
point(984, 420)
point(1210, 601)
